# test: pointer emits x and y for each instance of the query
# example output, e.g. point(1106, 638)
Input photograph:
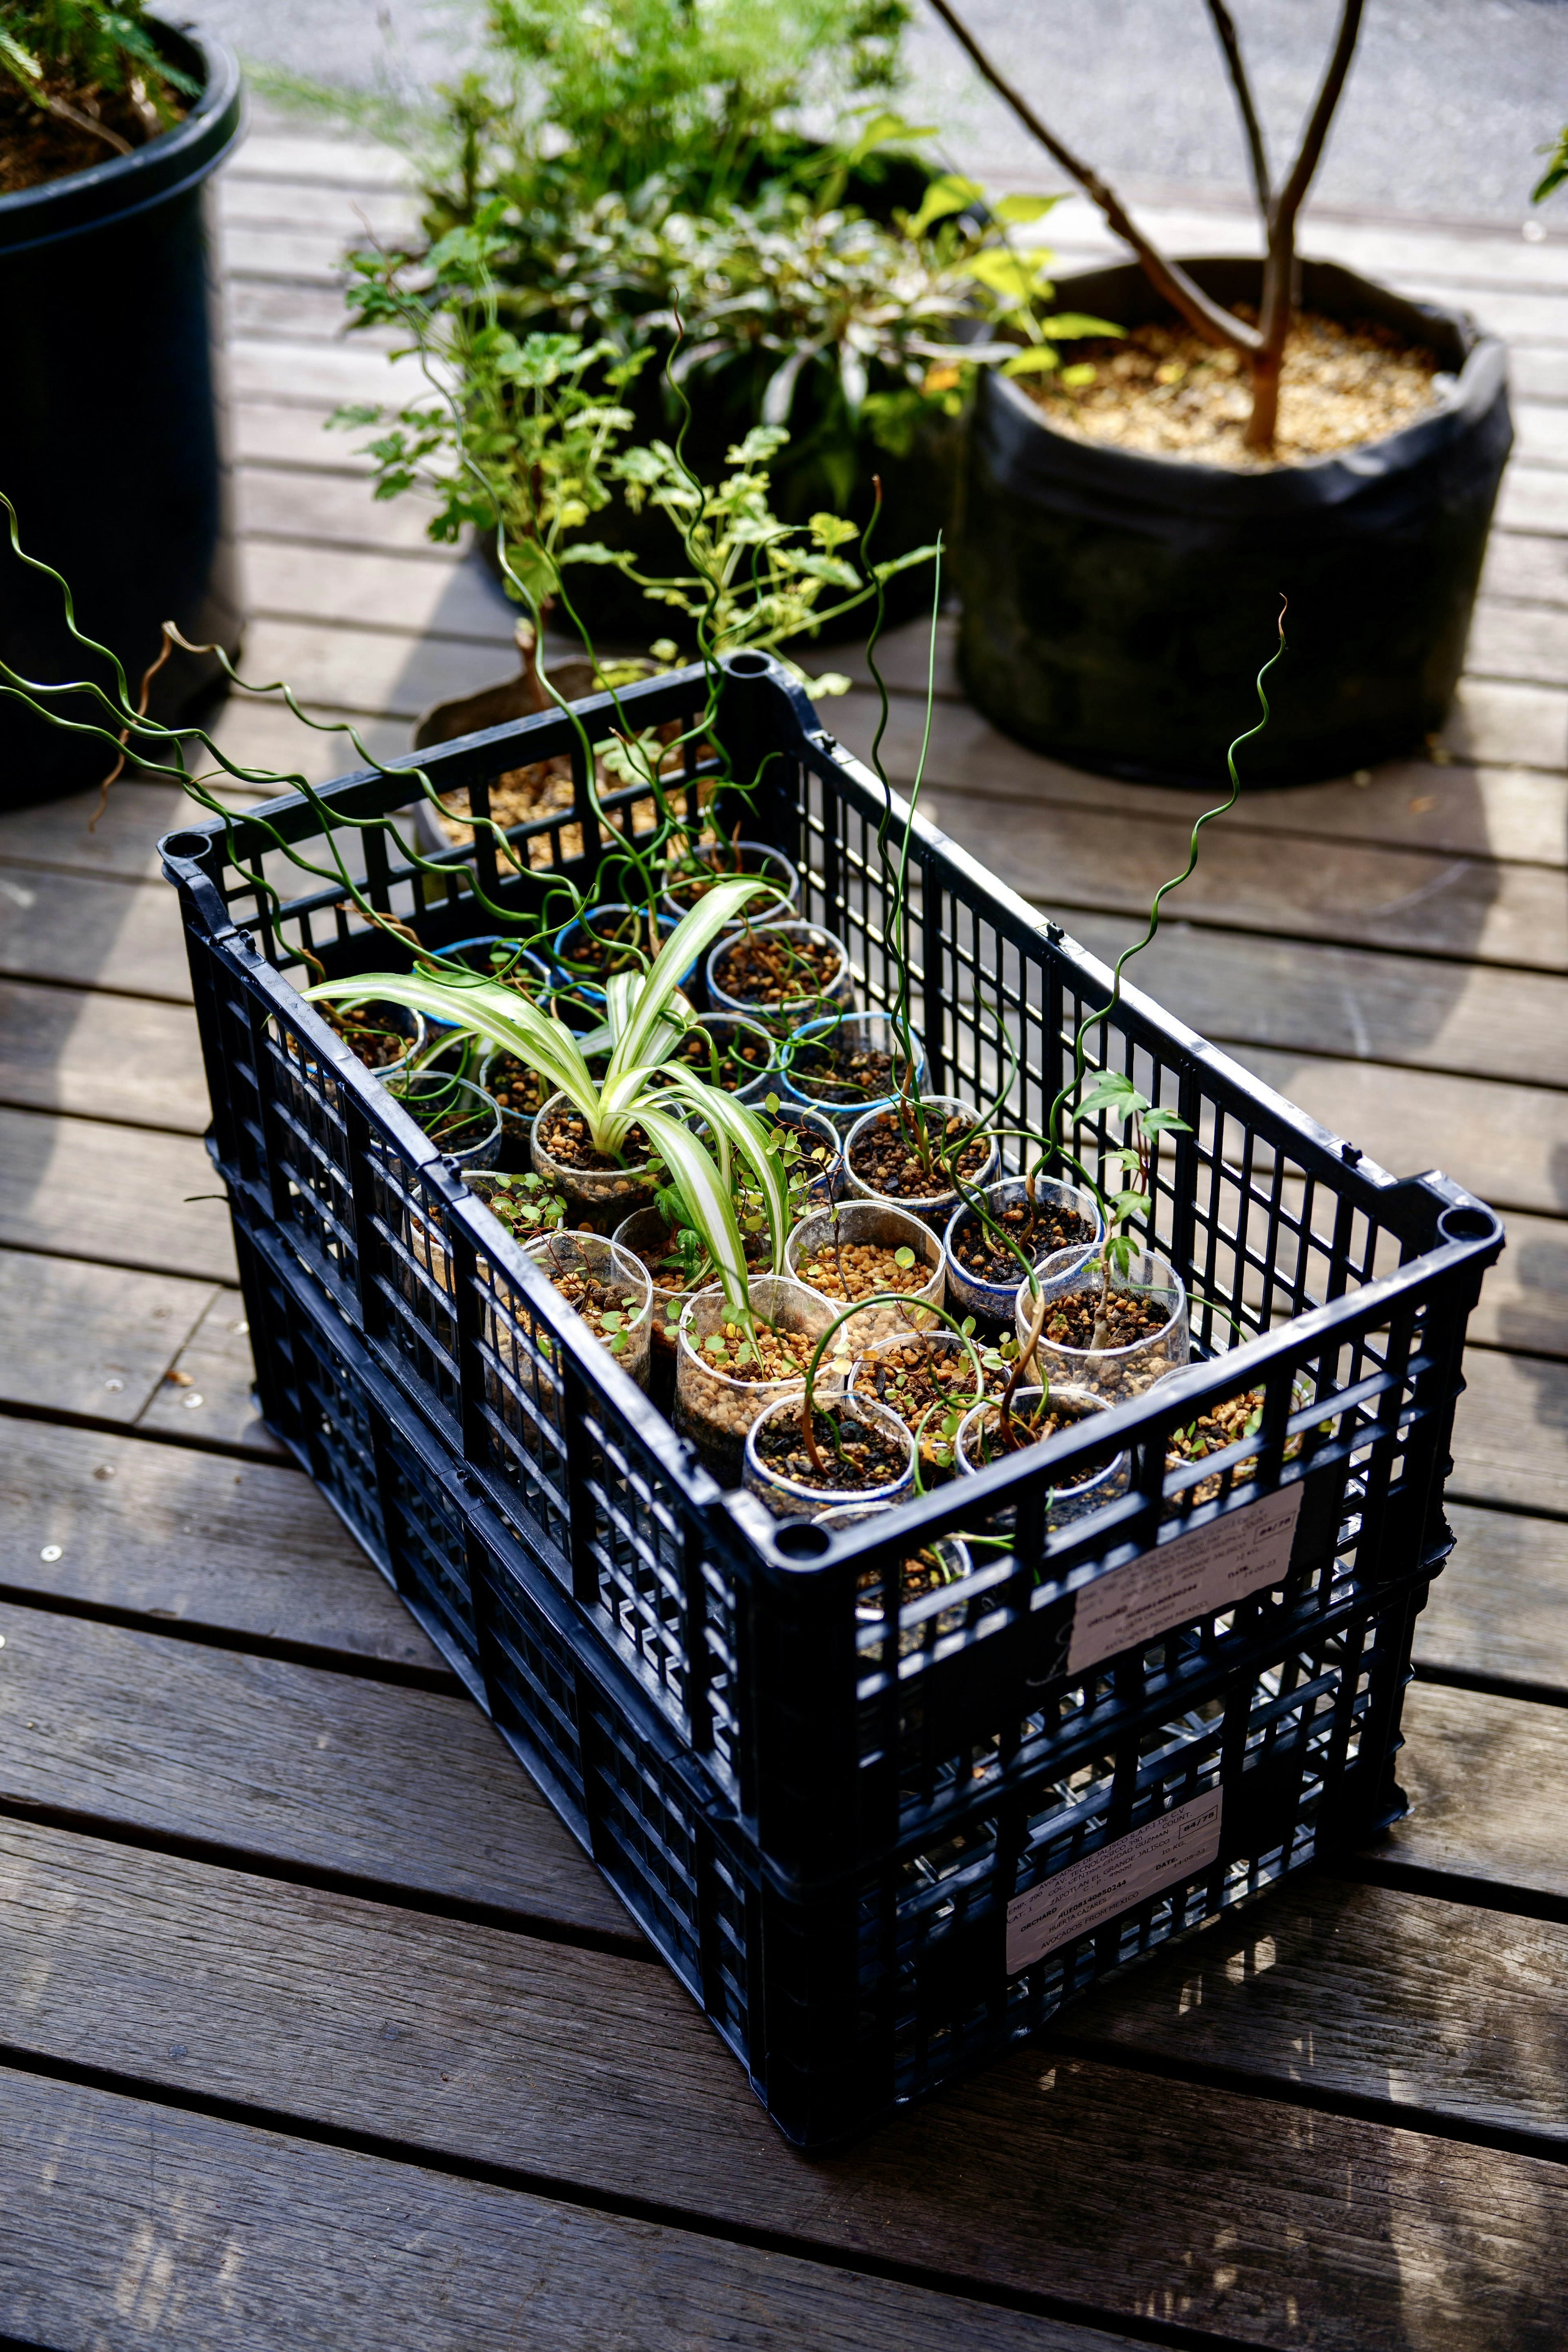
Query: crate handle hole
point(804, 1540)
point(186, 844)
point(748, 664)
point(1469, 1223)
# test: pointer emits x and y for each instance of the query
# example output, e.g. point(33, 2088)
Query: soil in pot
point(885, 1155)
point(1220, 1426)
point(992, 1436)
point(519, 1090)
point(732, 1056)
point(459, 1118)
point(564, 1137)
point(519, 796)
point(778, 969)
point(36, 146)
point(1048, 1225)
point(854, 1455)
point(928, 1381)
point(623, 939)
point(609, 1308)
point(848, 1270)
point(690, 879)
point(1089, 1321)
point(841, 1071)
point(380, 1034)
point(1167, 392)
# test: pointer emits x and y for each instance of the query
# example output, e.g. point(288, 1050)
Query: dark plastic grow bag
point(112, 426)
point(1112, 599)
point(876, 1850)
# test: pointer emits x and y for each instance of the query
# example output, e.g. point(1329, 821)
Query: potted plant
point(111, 124)
point(1266, 428)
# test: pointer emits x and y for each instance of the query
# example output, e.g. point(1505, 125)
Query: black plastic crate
point(848, 1834)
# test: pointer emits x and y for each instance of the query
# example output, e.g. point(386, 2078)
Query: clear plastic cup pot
point(1054, 1206)
point(866, 1454)
point(1112, 1331)
point(718, 1394)
point(853, 1251)
point(825, 984)
point(820, 1049)
point(937, 1205)
point(984, 1440)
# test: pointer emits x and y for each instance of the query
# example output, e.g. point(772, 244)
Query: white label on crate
point(1208, 1570)
point(1087, 1894)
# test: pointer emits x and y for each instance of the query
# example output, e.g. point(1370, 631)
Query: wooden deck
point(318, 2029)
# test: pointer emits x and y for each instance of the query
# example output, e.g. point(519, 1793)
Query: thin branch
point(1317, 131)
point(64, 112)
point(1224, 25)
point(1207, 317)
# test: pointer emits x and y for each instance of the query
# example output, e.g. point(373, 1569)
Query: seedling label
point(1211, 1569)
point(1087, 1894)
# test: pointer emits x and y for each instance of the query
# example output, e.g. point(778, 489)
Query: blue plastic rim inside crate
point(878, 1842)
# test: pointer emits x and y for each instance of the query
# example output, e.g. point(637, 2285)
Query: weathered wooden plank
point(264, 735)
point(1493, 720)
point(257, 306)
point(1519, 314)
point(207, 1395)
point(1510, 1432)
point(57, 833)
point(1540, 371)
point(1524, 1301)
point(164, 1531)
point(1500, 1606)
point(1488, 1782)
point(319, 375)
point(274, 433)
point(1524, 564)
point(335, 510)
point(293, 256)
point(101, 1057)
point(1519, 641)
point(1541, 433)
point(1533, 499)
point(435, 598)
point(1477, 908)
point(123, 1195)
point(257, 201)
point(324, 159)
point(125, 936)
point(1242, 989)
point(91, 1338)
point(1363, 1992)
point(118, 2214)
point(1459, 810)
point(1509, 1143)
point(1045, 2176)
point(285, 1763)
point(382, 671)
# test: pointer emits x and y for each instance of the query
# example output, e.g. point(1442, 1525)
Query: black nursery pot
point(1116, 607)
point(111, 426)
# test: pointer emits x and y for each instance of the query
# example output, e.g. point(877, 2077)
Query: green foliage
point(1556, 170)
point(61, 54)
point(613, 94)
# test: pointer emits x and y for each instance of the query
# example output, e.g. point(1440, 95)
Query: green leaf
point(1017, 212)
point(904, 1257)
point(706, 1199)
point(1037, 359)
point(1081, 374)
point(693, 933)
point(1112, 1092)
point(1077, 326)
point(487, 1010)
point(944, 196)
point(534, 569)
point(738, 1128)
point(1162, 1122)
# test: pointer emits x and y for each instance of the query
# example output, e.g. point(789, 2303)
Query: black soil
point(837, 1071)
point(889, 1159)
point(760, 968)
point(1048, 1226)
point(36, 146)
point(855, 1458)
point(566, 1139)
